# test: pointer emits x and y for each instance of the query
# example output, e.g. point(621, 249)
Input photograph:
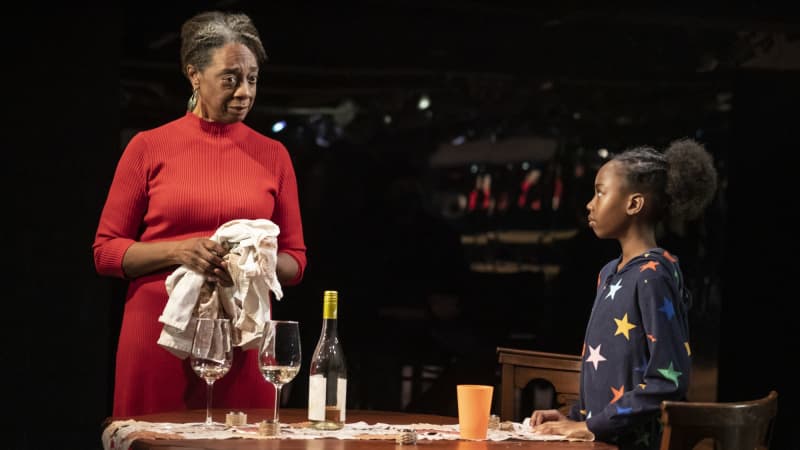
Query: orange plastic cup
point(474, 406)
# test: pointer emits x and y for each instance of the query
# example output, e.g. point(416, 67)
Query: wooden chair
point(733, 426)
point(520, 367)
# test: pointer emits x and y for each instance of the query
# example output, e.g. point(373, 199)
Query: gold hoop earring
point(190, 105)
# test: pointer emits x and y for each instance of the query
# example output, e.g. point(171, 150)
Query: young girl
point(636, 349)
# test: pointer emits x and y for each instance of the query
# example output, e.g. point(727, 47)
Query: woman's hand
point(204, 256)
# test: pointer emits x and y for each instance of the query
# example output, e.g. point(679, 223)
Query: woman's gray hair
point(208, 31)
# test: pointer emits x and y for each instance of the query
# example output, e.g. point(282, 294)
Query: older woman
point(173, 187)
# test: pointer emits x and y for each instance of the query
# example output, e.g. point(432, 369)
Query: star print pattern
point(671, 374)
point(642, 366)
point(650, 265)
point(617, 393)
point(624, 327)
point(643, 303)
point(594, 356)
point(643, 439)
point(667, 308)
point(612, 289)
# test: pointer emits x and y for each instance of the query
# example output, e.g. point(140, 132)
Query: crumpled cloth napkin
point(252, 261)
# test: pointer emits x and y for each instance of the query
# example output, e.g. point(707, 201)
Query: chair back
point(733, 426)
point(520, 367)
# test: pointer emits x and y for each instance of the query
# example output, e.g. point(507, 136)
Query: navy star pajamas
point(636, 350)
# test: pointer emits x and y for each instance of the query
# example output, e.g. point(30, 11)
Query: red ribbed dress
point(185, 179)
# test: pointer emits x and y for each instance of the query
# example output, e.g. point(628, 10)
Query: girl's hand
point(546, 415)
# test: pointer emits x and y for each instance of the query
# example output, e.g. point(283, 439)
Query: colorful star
point(594, 356)
point(668, 309)
point(644, 439)
point(650, 265)
point(589, 416)
point(669, 256)
point(642, 385)
point(651, 337)
point(643, 367)
point(617, 393)
point(671, 374)
point(688, 349)
point(623, 326)
point(613, 288)
point(621, 410)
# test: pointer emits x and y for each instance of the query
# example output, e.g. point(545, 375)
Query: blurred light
point(387, 119)
point(473, 168)
point(345, 113)
point(278, 126)
point(458, 140)
point(424, 102)
point(724, 101)
point(546, 86)
point(322, 141)
point(624, 120)
point(576, 115)
point(526, 165)
point(603, 153)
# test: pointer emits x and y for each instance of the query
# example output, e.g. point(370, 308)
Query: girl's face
point(608, 215)
point(227, 87)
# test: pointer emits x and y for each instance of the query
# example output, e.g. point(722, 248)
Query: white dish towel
point(251, 262)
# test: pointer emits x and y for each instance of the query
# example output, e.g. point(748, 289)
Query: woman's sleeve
point(123, 211)
point(287, 217)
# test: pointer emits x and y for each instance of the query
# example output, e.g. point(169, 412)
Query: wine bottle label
point(341, 398)
point(317, 409)
point(316, 397)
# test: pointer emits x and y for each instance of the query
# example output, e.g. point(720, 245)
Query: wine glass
point(279, 356)
point(211, 356)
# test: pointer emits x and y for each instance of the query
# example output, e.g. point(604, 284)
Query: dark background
point(79, 81)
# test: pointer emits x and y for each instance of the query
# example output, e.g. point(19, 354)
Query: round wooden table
point(299, 415)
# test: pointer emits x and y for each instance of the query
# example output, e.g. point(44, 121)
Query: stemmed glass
point(279, 356)
point(211, 356)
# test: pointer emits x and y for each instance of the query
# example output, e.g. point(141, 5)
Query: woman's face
point(608, 215)
point(227, 87)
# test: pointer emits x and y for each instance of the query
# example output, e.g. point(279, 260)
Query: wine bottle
point(327, 383)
